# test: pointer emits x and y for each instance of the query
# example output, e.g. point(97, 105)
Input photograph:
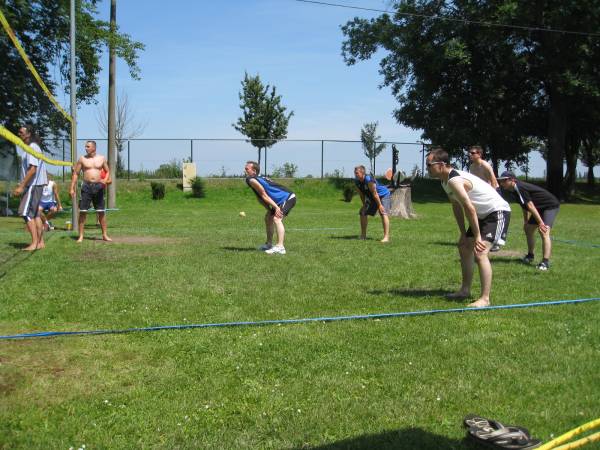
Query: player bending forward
point(487, 213)
point(277, 200)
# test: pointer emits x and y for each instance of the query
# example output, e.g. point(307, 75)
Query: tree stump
point(402, 203)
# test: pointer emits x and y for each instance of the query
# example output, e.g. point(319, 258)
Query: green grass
point(387, 384)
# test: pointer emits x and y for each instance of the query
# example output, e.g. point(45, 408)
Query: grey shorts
point(547, 215)
point(371, 208)
point(30, 201)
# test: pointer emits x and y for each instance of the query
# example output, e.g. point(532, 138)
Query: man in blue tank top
point(277, 200)
point(375, 198)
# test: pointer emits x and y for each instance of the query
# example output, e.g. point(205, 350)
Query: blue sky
point(195, 58)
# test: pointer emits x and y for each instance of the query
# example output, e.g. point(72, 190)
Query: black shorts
point(371, 208)
point(547, 215)
point(92, 193)
point(286, 206)
point(30, 201)
point(493, 228)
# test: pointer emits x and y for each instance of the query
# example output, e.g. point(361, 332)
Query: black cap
point(506, 175)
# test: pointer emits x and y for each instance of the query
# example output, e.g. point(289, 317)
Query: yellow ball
point(242, 214)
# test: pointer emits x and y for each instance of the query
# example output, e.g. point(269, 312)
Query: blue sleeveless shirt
point(279, 194)
point(382, 191)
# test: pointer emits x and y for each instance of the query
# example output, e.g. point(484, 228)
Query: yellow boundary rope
point(574, 432)
point(29, 65)
point(17, 141)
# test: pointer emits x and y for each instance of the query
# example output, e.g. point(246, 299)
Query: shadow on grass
point(445, 243)
point(410, 438)
point(416, 293)
point(239, 249)
point(350, 237)
point(18, 245)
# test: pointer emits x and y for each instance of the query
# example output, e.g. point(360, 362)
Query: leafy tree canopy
point(464, 82)
point(42, 27)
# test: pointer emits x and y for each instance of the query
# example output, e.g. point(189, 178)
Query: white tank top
point(484, 197)
point(48, 192)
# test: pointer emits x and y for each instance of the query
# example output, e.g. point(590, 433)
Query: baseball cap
point(506, 175)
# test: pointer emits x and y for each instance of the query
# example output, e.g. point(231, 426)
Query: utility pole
point(112, 69)
point(75, 208)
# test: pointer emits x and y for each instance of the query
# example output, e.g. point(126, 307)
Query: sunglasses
point(473, 153)
point(433, 163)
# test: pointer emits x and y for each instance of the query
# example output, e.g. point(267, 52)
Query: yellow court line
point(17, 44)
point(17, 141)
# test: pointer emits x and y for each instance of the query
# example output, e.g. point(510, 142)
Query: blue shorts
point(46, 206)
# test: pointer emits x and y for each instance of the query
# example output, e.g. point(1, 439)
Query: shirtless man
point(481, 168)
point(92, 189)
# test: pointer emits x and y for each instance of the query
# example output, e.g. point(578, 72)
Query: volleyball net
point(52, 139)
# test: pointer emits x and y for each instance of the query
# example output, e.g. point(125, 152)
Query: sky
point(191, 70)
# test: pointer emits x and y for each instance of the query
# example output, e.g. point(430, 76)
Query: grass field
point(399, 383)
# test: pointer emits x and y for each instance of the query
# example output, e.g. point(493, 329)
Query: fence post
point(322, 152)
point(266, 173)
point(128, 161)
point(191, 150)
point(63, 158)
point(423, 160)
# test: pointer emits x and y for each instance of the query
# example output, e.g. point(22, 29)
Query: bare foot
point(385, 240)
point(458, 295)
point(30, 248)
point(481, 303)
point(40, 246)
point(106, 238)
point(79, 239)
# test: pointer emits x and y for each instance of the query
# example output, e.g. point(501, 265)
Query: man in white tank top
point(487, 214)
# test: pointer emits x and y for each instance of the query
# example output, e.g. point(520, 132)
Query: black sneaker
point(543, 266)
point(527, 259)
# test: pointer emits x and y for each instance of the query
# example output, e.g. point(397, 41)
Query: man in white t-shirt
point(31, 186)
point(487, 214)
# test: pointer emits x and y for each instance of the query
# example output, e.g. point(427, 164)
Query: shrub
point(198, 188)
point(348, 191)
point(287, 170)
point(172, 169)
point(158, 191)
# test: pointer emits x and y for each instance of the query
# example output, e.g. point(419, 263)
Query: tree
point(264, 119)
point(369, 138)
point(464, 82)
point(126, 126)
point(42, 27)
point(590, 157)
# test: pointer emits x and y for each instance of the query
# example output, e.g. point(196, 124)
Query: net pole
point(75, 206)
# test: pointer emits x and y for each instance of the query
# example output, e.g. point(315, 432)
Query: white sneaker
point(277, 249)
point(265, 247)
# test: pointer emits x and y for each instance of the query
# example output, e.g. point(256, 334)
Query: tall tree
point(127, 127)
point(590, 157)
point(264, 120)
point(369, 138)
point(464, 82)
point(42, 27)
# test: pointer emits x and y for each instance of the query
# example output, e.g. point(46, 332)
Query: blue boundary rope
point(294, 321)
point(577, 243)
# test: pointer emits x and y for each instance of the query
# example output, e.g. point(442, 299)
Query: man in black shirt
point(540, 208)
